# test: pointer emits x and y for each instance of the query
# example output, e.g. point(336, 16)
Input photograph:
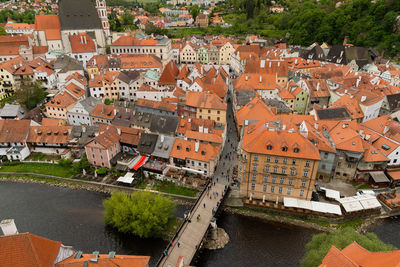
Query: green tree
point(30, 93)
point(82, 164)
point(2, 31)
point(144, 214)
point(320, 244)
point(194, 11)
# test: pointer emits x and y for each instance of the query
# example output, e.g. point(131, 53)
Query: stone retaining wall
point(96, 186)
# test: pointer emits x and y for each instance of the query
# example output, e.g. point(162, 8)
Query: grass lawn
point(41, 168)
point(171, 188)
point(359, 186)
point(42, 157)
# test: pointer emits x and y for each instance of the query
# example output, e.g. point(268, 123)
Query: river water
point(75, 217)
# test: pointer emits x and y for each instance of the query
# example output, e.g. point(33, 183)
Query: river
point(75, 217)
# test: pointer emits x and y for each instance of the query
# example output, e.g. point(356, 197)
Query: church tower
point(102, 11)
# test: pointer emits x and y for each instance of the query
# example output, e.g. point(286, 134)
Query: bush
point(81, 165)
point(101, 171)
point(143, 214)
point(320, 244)
point(66, 163)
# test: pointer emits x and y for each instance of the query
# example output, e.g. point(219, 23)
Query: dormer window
point(296, 150)
point(269, 147)
point(187, 149)
point(284, 148)
point(203, 153)
point(178, 147)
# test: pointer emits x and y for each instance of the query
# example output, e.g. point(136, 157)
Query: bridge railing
point(183, 224)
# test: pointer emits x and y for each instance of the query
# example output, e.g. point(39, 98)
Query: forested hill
point(364, 22)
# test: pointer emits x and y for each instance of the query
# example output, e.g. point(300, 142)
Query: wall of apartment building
point(259, 182)
point(219, 116)
point(57, 113)
point(111, 90)
point(326, 166)
point(100, 156)
point(345, 169)
point(7, 85)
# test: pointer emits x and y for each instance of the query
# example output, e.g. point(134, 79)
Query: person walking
point(178, 244)
point(204, 205)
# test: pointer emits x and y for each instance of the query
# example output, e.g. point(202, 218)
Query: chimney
point(270, 64)
point(84, 129)
point(316, 126)
point(295, 62)
point(317, 86)
point(205, 130)
point(196, 147)
point(119, 131)
point(84, 38)
point(201, 129)
point(363, 98)
point(260, 78)
point(262, 63)
point(386, 129)
point(247, 78)
point(162, 138)
point(115, 112)
point(279, 64)
point(8, 227)
point(81, 39)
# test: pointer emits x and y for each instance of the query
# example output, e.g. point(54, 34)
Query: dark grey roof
point(128, 76)
point(164, 124)
point(147, 143)
point(66, 63)
point(78, 15)
point(90, 103)
point(124, 117)
point(333, 114)
point(142, 119)
point(35, 115)
point(83, 134)
point(114, 62)
point(12, 111)
point(163, 147)
point(278, 104)
point(244, 97)
point(124, 104)
point(394, 101)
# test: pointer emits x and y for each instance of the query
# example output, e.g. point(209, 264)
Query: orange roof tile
point(82, 43)
point(207, 100)
point(13, 131)
point(105, 261)
point(61, 100)
point(346, 137)
point(355, 255)
point(140, 62)
point(75, 90)
point(255, 81)
point(163, 105)
point(185, 149)
point(255, 110)
point(27, 250)
point(49, 134)
point(104, 111)
point(169, 74)
point(207, 137)
point(132, 41)
point(258, 138)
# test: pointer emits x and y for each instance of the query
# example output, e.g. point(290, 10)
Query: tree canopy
point(320, 244)
point(30, 93)
point(365, 23)
point(144, 214)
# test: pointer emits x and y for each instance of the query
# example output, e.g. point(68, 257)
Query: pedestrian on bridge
point(178, 244)
point(204, 205)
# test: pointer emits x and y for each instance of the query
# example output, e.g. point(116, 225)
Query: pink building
point(101, 149)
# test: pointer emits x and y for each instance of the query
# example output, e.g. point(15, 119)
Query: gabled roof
point(169, 74)
point(104, 111)
point(82, 43)
point(356, 256)
point(78, 15)
point(49, 134)
point(14, 131)
point(61, 100)
point(255, 110)
point(185, 149)
point(345, 137)
point(207, 100)
point(257, 137)
point(27, 250)
point(105, 261)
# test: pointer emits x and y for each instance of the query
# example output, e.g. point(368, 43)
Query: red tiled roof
point(13, 131)
point(185, 149)
point(27, 250)
point(61, 100)
point(103, 111)
point(82, 43)
point(169, 74)
point(207, 100)
point(105, 261)
point(49, 134)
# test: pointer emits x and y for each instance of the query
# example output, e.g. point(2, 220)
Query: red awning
point(139, 163)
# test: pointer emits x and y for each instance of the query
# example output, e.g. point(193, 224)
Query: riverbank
point(76, 184)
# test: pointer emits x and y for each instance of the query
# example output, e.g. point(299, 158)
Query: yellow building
point(207, 105)
point(275, 163)
point(225, 53)
point(7, 80)
point(57, 107)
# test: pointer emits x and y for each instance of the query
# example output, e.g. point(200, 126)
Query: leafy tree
point(66, 163)
point(2, 31)
point(144, 214)
point(101, 171)
point(194, 11)
point(320, 244)
point(30, 93)
point(81, 165)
